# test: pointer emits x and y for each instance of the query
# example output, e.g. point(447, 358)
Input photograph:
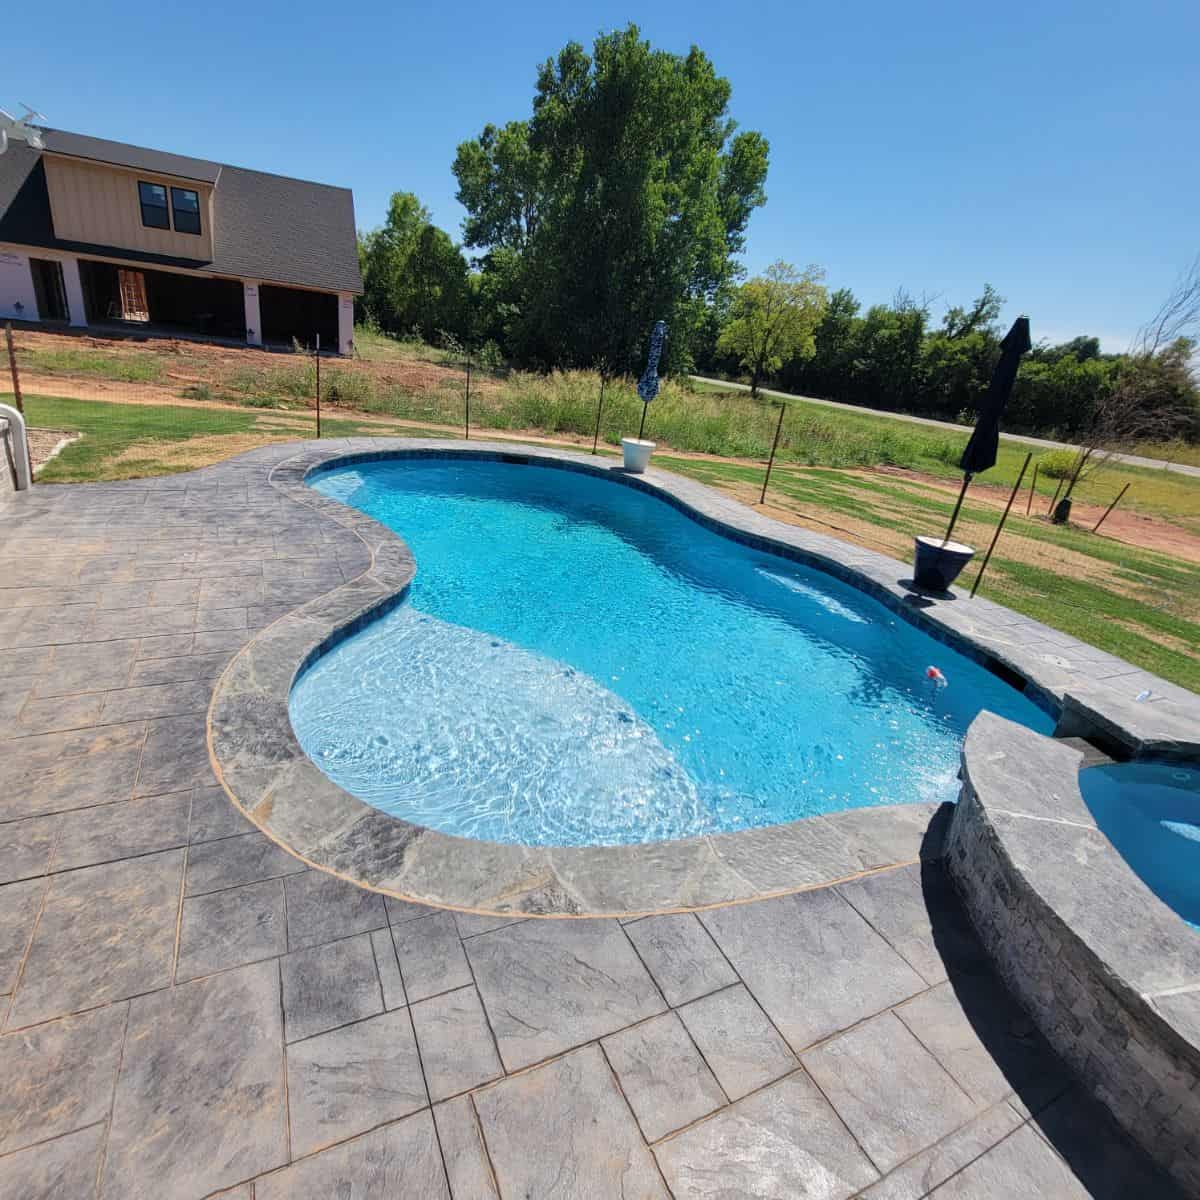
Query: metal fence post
point(771, 461)
point(18, 402)
point(1032, 488)
point(599, 410)
point(12, 366)
point(987, 558)
point(1110, 508)
point(467, 417)
point(1055, 500)
point(318, 358)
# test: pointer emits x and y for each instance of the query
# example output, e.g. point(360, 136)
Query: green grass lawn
point(110, 429)
point(124, 441)
point(819, 436)
point(1140, 604)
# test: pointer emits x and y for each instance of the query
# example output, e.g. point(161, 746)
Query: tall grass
point(373, 345)
point(565, 402)
point(730, 425)
point(287, 386)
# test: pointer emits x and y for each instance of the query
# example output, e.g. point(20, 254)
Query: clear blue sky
point(1052, 150)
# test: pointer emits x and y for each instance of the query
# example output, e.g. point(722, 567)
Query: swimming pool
point(1150, 812)
point(579, 663)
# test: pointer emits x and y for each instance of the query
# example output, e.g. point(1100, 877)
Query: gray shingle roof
point(79, 145)
point(267, 227)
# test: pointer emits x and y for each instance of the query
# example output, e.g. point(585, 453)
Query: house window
point(153, 197)
point(186, 205)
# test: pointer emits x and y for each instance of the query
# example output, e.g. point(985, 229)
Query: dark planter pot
point(937, 564)
point(1062, 511)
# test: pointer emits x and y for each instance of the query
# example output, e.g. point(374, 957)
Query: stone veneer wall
point(1115, 1041)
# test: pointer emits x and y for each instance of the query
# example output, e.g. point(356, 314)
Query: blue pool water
point(1151, 814)
point(579, 663)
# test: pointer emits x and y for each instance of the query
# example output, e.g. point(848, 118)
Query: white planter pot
point(637, 454)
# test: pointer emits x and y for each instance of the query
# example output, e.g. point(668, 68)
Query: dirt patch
point(1133, 528)
point(1055, 559)
point(194, 452)
point(1163, 639)
point(113, 392)
point(44, 444)
point(186, 366)
point(820, 520)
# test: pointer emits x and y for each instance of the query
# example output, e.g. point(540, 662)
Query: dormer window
point(184, 207)
point(185, 204)
point(153, 197)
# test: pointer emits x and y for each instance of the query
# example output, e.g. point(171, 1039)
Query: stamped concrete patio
point(188, 1010)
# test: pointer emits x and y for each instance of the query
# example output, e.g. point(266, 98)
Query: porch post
point(345, 323)
point(73, 286)
point(253, 315)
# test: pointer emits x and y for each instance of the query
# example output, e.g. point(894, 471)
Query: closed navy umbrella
point(980, 452)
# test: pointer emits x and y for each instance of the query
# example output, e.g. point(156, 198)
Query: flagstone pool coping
point(266, 773)
point(1109, 973)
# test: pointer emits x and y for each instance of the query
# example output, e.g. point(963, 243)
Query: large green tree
point(414, 277)
point(827, 372)
point(622, 200)
point(772, 320)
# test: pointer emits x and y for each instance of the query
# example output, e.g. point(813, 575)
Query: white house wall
point(18, 300)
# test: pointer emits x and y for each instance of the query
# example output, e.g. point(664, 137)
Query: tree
point(500, 180)
point(828, 371)
point(414, 277)
point(1081, 349)
point(981, 316)
point(772, 319)
point(887, 369)
point(957, 360)
point(1155, 396)
point(622, 200)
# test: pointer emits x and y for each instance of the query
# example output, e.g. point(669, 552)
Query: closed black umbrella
point(980, 452)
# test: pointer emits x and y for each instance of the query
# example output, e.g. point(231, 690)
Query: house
point(99, 233)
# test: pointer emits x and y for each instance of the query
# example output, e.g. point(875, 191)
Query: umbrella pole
point(957, 506)
point(996, 536)
point(642, 426)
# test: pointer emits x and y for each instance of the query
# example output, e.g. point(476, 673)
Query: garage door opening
point(163, 301)
point(289, 314)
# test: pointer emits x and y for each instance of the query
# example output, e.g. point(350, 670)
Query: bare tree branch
point(1177, 317)
point(1143, 403)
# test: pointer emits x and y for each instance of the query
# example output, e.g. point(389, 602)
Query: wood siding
point(94, 203)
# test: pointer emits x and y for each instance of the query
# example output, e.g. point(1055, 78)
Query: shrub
point(353, 389)
point(1057, 464)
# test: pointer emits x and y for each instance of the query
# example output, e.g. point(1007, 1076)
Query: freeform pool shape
point(1151, 813)
point(579, 663)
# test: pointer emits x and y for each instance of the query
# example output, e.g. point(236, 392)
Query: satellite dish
point(21, 129)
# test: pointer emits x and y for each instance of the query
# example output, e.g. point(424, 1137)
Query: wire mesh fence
point(138, 404)
point(145, 404)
